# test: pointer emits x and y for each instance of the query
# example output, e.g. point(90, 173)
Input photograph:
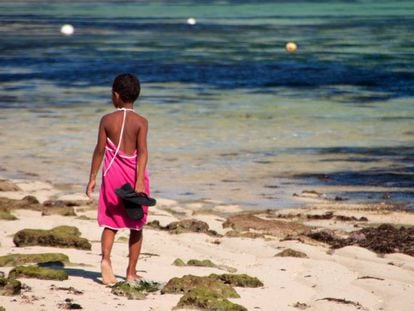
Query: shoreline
point(326, 278)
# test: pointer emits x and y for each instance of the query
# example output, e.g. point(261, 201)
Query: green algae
point(201, 263)
point(209, 300)
point(62, 211)
point(135, 290)
point(38, 273)
point(187, 282)
point(238, 280)
point(210, 292)
point(28, 202)
point(6, 215)
point(291, 253)
point(122, 239)
point(51, 207)
point(184, 226)
point(179, 262)
point(9, 287)
point(62, 236)
point(84, 217)
point(20, 259)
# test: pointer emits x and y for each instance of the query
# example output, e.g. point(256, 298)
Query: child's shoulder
point(140, 118)
point(107, 117)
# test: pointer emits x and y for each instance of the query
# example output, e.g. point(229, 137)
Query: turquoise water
point(233, 116)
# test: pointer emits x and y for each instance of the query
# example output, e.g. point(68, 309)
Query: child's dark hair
point(127, 86)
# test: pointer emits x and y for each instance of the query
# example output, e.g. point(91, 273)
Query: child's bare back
point(134, 125)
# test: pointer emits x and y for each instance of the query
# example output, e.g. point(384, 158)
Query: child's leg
point(107, 241)
point(135, 243)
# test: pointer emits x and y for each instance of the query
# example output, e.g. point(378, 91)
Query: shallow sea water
point(233, 117)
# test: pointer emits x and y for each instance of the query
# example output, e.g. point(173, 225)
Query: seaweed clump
point(184, 226)
point(251, 226)
point(35, 272)
point(50, 207)
point(383, 239)
point(238, 280)
point(187, 282)
point(6, 215)
point(62, 236)
point(291, 253)
point(206, 299)
point(179, 263)
point(9, 286)
point(21, 259)
point(209, 292)
point(202, 263)
point(135, 290)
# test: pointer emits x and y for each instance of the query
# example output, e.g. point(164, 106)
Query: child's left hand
point(140, 186)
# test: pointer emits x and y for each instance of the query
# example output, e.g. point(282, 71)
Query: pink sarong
point(118, 169)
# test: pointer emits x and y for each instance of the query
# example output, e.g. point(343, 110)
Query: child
point(122, 138)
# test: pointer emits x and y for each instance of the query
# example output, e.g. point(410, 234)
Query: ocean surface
point(233, 116)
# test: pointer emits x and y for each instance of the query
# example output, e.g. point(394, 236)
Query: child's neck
point(126, 106)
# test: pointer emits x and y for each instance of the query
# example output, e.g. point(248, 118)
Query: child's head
point(125, 89)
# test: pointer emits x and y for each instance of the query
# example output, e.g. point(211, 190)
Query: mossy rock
point(5, 210)
point(253, 225)
point(187, 282)
point(201, 263)
point(122, 239)
point(21, 259)
point(179, 262)
point(8, 185)
point(35, 272)
point(2, 308)
point(84, 217)
point(62, 236)
point(238, 280)
point(9, 287)
point(28, 202)
point(59, 210)
point(155, 224)
point(183, 226)
point(190, 225)
point(206, 299)
point(57, 207)
point(135, 290)
point(291, 253)
point(6, 215)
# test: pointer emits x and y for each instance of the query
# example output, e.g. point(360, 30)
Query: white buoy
point(67, 30)
point(191, 21)
point(291, 47)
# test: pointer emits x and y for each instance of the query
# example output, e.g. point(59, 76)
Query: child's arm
point(97, 157)
point(142, 156)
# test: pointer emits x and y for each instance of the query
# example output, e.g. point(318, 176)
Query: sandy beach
point(313, 276)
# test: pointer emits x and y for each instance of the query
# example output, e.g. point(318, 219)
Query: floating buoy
point(191, 21)
point(291, 47)
point(67, 30)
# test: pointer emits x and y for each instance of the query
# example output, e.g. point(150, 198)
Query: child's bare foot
point(108, 277)
point(132, 276)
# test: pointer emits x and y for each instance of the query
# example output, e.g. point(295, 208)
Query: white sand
point(287, 280)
